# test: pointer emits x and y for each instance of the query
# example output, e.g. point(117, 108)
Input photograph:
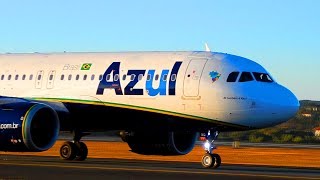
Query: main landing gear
point(74, 150)
point(210, 160)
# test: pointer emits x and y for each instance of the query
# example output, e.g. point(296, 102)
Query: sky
point(281, 35)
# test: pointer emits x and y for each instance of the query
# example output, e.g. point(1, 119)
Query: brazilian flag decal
point(86, 66)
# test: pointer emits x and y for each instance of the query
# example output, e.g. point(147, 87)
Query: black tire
point(207, 160)
point(217, 161)
point(124, 136)
point(211, 161)
point(68, 151)
point(82, 151)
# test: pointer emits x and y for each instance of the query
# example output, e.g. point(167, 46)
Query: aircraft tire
point(68, 151)
point(217, 161)
point(207, 160)
point(82, 151)
point(211, 160)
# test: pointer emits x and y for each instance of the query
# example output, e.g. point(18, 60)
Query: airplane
point(161, 101)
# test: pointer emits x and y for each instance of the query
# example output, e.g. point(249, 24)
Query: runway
point(43, 167)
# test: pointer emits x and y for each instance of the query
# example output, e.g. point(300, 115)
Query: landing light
point(207, 145)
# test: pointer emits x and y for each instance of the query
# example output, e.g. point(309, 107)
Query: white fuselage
point(184, 84)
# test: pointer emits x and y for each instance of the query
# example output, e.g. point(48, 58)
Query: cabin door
point(192, 77)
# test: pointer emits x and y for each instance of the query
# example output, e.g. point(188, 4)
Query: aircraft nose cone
point(292, 104)
point(288, 104)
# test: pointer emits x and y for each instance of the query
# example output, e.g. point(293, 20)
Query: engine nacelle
point(28, 126)
point(161, 143)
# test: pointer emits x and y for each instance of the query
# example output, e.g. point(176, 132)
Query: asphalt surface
point(46, 168)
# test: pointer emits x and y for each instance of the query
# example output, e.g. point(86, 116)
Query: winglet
point(207, 47)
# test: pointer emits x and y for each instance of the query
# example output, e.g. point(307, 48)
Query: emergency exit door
point(51, 77)
point(38, 80)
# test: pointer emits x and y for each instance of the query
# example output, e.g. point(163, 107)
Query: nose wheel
point(210, 159)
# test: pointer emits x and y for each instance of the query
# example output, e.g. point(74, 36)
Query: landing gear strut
point(210, 160)
point(74, 150)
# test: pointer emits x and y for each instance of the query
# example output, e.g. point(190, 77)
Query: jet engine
point(161, 142)
point(28, 127)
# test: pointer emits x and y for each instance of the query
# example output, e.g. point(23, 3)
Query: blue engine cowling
point(28, 126)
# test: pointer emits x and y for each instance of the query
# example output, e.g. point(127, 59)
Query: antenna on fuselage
point(207, 47)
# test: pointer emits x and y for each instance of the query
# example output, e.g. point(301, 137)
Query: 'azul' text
point(167, 82)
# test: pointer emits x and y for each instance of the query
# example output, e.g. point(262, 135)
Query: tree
point(286, 138)
point(255, 139)
point(297, 139)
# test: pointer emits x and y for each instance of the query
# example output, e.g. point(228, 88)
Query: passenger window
point(92, 77)
point(246, 76)
point(9, 77)
point(17, 77)
point(262, 77)
point(157, 77)
point(233, 77)
point(69, 77)
point(77, 77)
point(85, 77)
point(116, 77)
point(173, 77)
point(165, 77)
point(149, 77)
point(2, 77)
point(23, 77)
point(62, 77)
point(108, 77)
point(100, 77)
point(124, 77)
point(132, 77)
point(31, 77)
point(39, 77)
point(140, 77)
point(50, 77)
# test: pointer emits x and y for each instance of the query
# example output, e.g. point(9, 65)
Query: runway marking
point(160, 170)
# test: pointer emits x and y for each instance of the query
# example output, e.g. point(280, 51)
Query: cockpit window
point(262, 77)
point(246, 76)
point(233, 77)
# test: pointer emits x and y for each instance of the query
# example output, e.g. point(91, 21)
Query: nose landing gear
point(210, 159)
